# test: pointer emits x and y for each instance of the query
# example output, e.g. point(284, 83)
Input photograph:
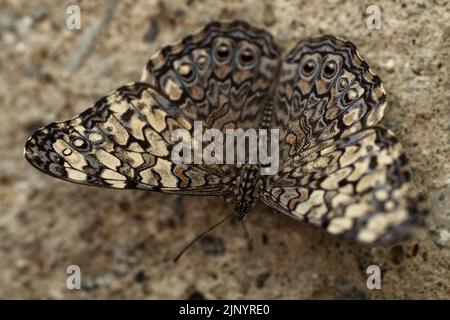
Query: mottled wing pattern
point(338, 170)
point(122, 141)
point(326, 91)
point(222, 75)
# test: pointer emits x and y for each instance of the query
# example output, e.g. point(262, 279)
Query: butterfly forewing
point(221, 76)
point(122, 141)
point(356, 186)
point(338, 169)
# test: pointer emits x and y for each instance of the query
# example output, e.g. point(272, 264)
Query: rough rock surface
point(124, 241)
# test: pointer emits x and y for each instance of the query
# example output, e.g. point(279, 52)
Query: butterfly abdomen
point(329, 163)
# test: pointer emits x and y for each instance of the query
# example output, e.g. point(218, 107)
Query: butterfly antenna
point(200, 236)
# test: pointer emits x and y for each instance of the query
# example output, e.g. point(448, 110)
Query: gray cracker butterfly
point(338, 168)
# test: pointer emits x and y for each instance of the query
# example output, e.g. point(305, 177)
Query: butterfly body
point(248, 189)
point(338, 169)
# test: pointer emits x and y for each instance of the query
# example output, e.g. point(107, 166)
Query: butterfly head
point(242, 207)
point(218, 53)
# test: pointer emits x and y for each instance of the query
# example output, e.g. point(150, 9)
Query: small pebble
point(152, 32)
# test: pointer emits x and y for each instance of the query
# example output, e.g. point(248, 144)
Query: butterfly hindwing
point(326, 91)
point(220, 75)
point(338, 169)
point(357, 186)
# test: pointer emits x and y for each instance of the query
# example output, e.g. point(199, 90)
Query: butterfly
point(338, 168)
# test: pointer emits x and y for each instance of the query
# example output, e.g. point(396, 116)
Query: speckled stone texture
point(124, 241)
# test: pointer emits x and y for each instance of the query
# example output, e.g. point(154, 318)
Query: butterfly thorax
point(248, 188)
